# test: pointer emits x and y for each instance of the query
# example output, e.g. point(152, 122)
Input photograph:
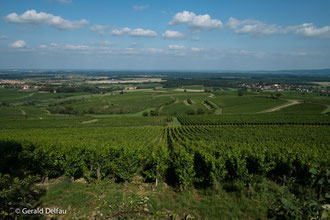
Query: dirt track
point(289, 103)
point(91, 121)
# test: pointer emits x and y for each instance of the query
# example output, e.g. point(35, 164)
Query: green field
point(169, 154)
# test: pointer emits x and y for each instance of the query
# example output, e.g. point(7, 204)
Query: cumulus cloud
point(3, 37)
point(139, 32)
point(18, 44)
point(196, 21)
point(255, 27)
point(140, 7)
point(250, 26)
point(169, 34)
point(34, 18)
point(309, 30)
point(99, 29)
point(121, 31)
point(176, 47)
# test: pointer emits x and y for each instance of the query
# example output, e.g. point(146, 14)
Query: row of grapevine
point(228, 153)
point(90, 152)
point(257, 119)
point(181, 155)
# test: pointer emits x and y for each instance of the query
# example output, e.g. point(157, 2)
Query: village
point(260, 86)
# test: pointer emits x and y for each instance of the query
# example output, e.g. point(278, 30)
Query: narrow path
point(326, 110)
point(161, 108)
point(23, 112)
point(48, 112)
point(186, 103)
point(29, 95)
point(289, 103)
point(206, 106)
point(160, 140)
point(175, 122)
point(91, 121)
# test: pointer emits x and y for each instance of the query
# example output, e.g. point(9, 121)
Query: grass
point(126, 103)
point(303, 108)
point(245, 104)
point(10, 113)
point(106, 198)
point(109, 108)
point(194, 87)
point(11, 95)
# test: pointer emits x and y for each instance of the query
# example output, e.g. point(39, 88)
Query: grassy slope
point(106, 198)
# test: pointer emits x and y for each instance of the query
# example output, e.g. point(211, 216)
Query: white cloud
point(99, 29)
point(250, 26)
point(169, 34)
point(55, 46)
point(205, 21)
point(3, 37)
point(139, 32)
point(176, 47)
point(121, 31)
point(255, 27)
point(62, 24)
point(140, 7)
point(33, 18)
point(309, 30)
point(18, 44)
point(195, 38)
point(182, 17)
point(196, 21)
point(29, 17)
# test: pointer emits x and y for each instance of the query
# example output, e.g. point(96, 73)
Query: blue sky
point(165, 35)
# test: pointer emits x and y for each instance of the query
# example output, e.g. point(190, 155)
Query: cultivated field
point(165, 153)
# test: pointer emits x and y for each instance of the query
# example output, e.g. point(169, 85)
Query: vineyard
point(199, 156)
point(280, 160)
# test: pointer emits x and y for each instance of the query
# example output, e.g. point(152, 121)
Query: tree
point(145, 114)
point(240, 93)
point(278, 95)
